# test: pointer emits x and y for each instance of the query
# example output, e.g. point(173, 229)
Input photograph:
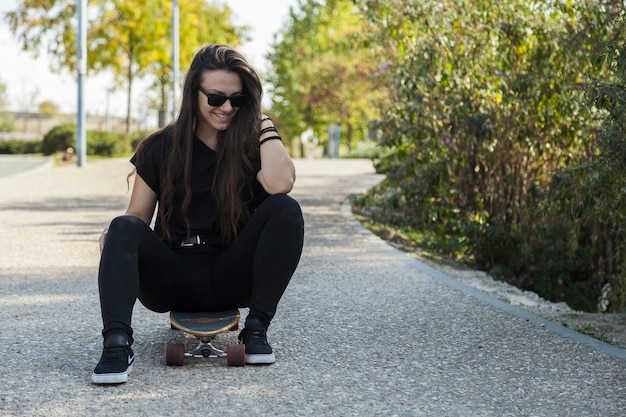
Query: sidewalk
point(360, 331)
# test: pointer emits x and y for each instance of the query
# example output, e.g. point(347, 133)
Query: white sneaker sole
point(118, 378)
point(260, 359)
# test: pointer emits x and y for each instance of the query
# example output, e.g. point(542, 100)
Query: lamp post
point(175, 55)
point(81, 47)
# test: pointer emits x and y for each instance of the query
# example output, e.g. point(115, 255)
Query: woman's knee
point(126, 223)
point(127, 229)
point(283, 205)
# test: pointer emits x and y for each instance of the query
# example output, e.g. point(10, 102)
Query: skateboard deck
point(205, 326)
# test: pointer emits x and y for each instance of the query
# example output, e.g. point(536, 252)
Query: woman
point(226, 233)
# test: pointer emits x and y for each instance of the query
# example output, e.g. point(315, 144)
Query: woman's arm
point(278, 173)
point(142, 204)
point(142, 200)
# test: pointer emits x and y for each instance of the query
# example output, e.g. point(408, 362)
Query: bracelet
point(261, 142)
point(266, 118)
point(268, 129)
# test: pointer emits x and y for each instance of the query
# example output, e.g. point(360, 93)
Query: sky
point(28, 78)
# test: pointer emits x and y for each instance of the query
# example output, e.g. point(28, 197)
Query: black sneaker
point(258, 351)
point(114, 366)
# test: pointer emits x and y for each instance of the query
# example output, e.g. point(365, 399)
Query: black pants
point(253, 272)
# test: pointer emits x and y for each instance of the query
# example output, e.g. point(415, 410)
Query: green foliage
point(7, 122)
point(323, 72)
point(590, 197)
point(18, 146)
point(48, 107)
point(486, 103)
point(129, 37)
point(58, 139)
point(196, 16)
point(365, 150)
point(135, 138)
point(61, 137)
point(3, 95)
point(105, 143)
point(6, 119)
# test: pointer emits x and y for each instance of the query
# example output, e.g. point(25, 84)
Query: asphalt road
point(361, 330)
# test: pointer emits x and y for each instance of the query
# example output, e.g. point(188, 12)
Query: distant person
point(226, 235)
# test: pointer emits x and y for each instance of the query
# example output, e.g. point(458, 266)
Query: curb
point(614, 351)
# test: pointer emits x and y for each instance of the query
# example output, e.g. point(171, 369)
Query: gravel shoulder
point(606, 327)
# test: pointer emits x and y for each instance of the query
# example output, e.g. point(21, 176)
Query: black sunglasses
point(217, 100)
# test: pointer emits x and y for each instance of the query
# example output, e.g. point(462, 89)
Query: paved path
point(360, 331)
point(16, 164)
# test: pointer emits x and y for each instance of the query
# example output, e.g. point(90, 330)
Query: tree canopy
point(323, 71)
point(131, 38)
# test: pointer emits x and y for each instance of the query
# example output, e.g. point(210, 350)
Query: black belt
point(195, 240)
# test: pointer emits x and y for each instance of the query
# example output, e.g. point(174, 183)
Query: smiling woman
point(226, 234)
point(223, 91)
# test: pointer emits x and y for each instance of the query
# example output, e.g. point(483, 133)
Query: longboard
point(205, 326)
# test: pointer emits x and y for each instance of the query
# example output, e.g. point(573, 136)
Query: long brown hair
point(237, 146)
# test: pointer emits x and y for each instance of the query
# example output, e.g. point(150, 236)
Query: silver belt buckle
point(187, 243)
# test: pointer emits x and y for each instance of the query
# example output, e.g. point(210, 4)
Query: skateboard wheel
point(174, 354)
point(236, 355)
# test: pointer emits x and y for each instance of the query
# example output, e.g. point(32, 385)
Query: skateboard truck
point(205, 349)
point(205, 327)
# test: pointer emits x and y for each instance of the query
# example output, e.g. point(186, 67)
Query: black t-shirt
point(202, 212)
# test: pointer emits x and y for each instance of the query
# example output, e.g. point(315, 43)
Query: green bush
point(104, 143)
point(365, 150)
point(494, 152)
point(58, 139)
point(61, 137)
point(16, 146)
point(137, 137)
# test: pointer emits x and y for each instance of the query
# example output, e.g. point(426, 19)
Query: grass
point(590, 330)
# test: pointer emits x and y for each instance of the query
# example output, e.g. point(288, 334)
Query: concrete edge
point(613, 351)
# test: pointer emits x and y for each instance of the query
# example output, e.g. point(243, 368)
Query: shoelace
point(251, 336)
point(113, 354)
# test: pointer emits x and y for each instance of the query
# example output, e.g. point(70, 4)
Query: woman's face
point(217, 117)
